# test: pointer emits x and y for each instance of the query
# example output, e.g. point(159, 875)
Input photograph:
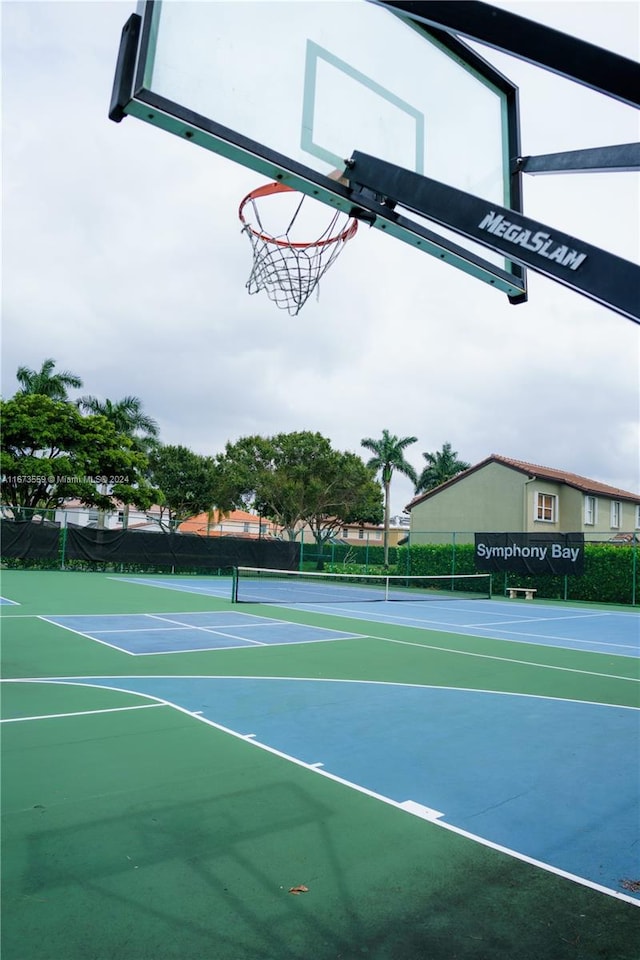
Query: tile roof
point(564, 476)
point(535, 469)
point(211, 525)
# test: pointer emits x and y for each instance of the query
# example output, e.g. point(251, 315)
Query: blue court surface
point(599, 631)
point(505, 769)
point(550, 780)
point(141, 634)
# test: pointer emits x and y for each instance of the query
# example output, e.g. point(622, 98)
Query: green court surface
point(132, 830)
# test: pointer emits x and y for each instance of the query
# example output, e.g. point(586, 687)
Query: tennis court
point(188, 777)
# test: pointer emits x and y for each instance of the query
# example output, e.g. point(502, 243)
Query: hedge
point(610, 572)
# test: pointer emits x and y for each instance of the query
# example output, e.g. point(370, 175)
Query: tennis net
point(261, 585)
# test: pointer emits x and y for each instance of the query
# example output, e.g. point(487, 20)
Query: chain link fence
point(53, 539)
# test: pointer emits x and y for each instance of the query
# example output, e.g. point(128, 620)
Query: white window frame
point(540, 503)
point(616, 513)
point(590, 516)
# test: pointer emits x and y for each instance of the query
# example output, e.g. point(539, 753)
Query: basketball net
point(287, 269)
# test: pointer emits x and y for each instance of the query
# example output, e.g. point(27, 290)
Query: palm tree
point(389, 456)
point(45, 382)
point(441, 466)
point(126, 416)
point(128, 419)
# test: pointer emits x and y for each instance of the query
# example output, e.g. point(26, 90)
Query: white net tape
point(287, 269)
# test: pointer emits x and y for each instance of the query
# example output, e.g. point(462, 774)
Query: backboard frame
point(132, 96)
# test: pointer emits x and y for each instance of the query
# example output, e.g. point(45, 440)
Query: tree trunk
point(387, 512)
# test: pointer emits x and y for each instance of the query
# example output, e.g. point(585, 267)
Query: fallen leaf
point(299, 889)
point(633, 885)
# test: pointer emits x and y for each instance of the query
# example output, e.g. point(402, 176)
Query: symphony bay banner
point(530, 553)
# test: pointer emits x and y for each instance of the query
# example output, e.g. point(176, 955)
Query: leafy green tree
point(50, 453)
point(45, 382)
point(127, 417)
point(388, 457)
point(296, 479)
point(346, 493)
point(441, 466)
point(187, 483)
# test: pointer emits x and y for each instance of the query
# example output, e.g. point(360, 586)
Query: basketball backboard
point(291, 89)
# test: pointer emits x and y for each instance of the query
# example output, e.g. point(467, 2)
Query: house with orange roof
point(502, 494)
point(236, 523)
point(240, 523)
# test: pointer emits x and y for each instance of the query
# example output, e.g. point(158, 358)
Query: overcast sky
point(123, 260)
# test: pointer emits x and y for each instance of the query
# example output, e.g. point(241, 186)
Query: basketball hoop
point(289, 270)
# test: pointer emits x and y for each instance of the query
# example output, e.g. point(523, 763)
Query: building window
point(377, 535)
point(246, 527)
point(546, 507)
point(615, 513)
point(360, 533)
point(638, 517)
point(590, 510)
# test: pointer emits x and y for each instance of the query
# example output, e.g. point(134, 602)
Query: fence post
point(634, 568)
point(63, 539)
point(453, 553)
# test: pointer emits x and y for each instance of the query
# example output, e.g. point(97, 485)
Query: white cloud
point(123, 259)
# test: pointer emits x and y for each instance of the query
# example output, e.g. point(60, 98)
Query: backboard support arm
point(597, 274)
point(621, 158)
point(601, 70)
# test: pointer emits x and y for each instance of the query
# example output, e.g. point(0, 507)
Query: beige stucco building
point(500, 494)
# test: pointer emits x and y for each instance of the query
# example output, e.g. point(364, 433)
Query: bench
point(514, 591)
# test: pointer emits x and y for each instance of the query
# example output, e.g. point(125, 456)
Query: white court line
point(259, 643)
point(552, 636)
point(181, 613)
point(268, 622)
point(265, 622)
point(524, 663)
point(212, 630)
point(410, 643)
point(405, 806)
point(146, 629)
point(208, 591)
point(245, 644)
point(83, 681)
point(448, 627)
point(82, 713)
point(87, 636)
point(313, 768)
point(579, 616)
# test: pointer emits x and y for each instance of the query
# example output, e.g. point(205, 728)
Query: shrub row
point(610, 572)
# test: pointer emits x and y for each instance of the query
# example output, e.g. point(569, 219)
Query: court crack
point(494, 806)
